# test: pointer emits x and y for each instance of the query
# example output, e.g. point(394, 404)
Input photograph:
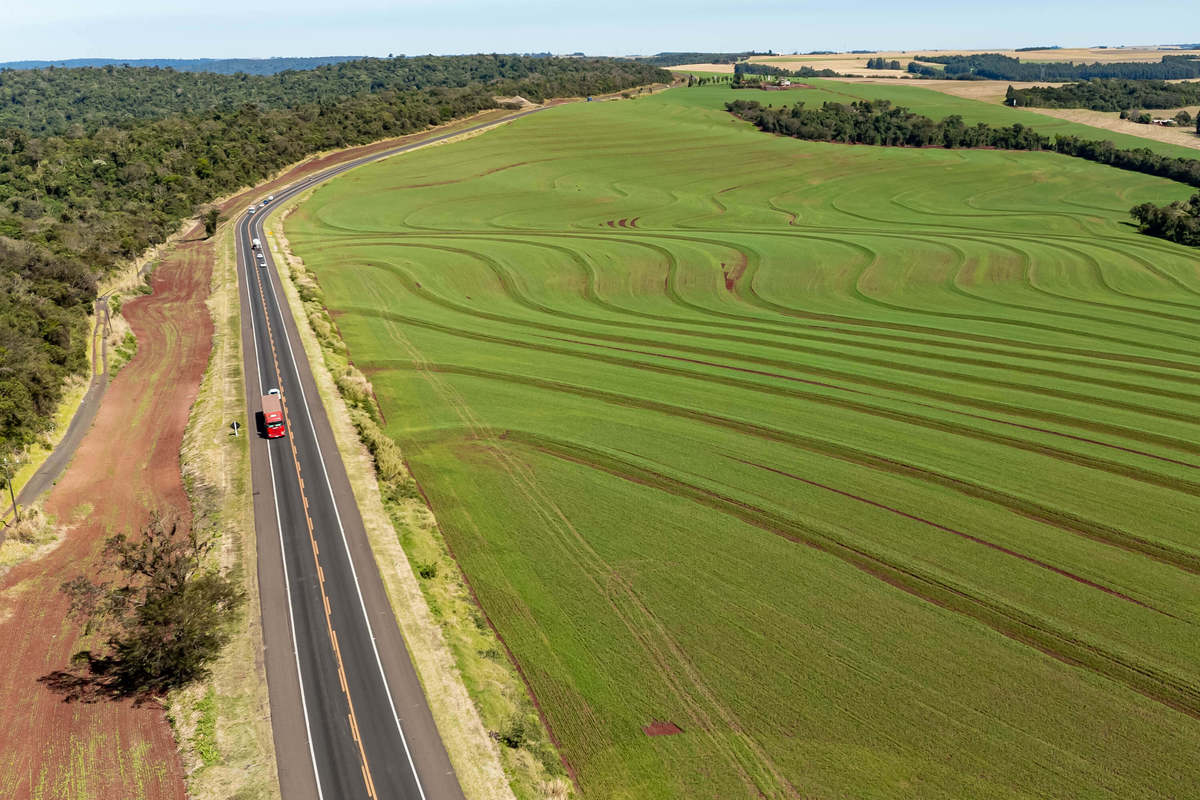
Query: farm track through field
point(636, 353)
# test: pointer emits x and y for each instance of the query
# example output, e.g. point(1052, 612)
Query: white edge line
point(255, 222)
point(345, 544)
point(287, 585)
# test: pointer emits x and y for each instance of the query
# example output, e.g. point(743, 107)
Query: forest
point(225, 66)
point(997, 67)
point(75, 205)
point(74, 102)
point(878, 122)
point(1107, 94)
point(882, 63)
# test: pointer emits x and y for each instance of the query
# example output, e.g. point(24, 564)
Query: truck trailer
point(272, 411)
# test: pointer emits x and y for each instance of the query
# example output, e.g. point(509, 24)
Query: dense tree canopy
point(225, 66)
point(77, 201)
point(1107, 94)
point(74, 102)
point(1178, 221)
point(878, 122)
point(997, 67)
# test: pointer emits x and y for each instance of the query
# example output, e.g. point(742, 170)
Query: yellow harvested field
point(1111, 121)
point(725, 69)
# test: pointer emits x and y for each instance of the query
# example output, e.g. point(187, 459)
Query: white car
point(270, 198)
point(252, 209)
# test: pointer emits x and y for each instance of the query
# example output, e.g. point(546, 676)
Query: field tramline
point(873, 471)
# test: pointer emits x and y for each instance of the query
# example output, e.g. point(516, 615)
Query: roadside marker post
point(236, 425)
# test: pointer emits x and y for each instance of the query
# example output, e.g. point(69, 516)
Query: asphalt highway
point(349, 717)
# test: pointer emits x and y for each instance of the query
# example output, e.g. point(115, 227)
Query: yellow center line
point(337, 652)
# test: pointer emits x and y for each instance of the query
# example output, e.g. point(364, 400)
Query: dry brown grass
point(1111, 121)
point(31, 537)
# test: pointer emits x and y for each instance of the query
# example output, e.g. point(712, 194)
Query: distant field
point(874, 471)
point(857, 62)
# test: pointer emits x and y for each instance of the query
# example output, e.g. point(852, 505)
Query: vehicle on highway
point(252, 209)
point(256, 244)
point(272, 415)
point(270, 198)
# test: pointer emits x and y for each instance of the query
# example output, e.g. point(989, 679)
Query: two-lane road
point(349, 717)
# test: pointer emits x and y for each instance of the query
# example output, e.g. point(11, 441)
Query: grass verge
point(223, 725)
point(487, 721)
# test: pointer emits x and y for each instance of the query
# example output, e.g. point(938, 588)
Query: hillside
point(796, 469)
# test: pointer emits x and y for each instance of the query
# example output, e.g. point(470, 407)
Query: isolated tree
point(211, 216)
point(165, 611)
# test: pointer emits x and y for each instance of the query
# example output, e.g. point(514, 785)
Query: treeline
point(73, 206)
point(878, 122)
point(749, 75)
point(1112, 94)
point(225, 66)
point(1177, 222)
point(675, 59)
point(882, 63)
point(994, 66)
point(75, 102)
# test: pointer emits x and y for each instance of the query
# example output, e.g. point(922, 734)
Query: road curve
point(349, 717)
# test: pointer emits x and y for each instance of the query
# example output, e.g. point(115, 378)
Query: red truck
point(272, 411)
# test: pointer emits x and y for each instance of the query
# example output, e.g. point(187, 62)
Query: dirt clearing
point(126, 465)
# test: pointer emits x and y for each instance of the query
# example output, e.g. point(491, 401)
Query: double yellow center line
point(316, 551)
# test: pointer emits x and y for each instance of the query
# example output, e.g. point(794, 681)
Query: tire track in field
point(1027, 260)
point(907, 388)
point(1140, 389)
point(1159, 551)
point(751, 295)
point(860, 327)
point(592, 296)
point(1152, 681)
point(643, 626)
point(1073, 457)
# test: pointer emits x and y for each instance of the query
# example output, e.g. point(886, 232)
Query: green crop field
point(874, 471)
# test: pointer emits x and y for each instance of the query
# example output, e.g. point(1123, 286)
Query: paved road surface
point(349, 717)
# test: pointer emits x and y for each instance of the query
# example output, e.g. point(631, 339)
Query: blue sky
point(53, 29)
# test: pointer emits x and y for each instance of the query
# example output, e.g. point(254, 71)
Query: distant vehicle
point(252, 209)
point(272, 412)
point(256, 244)
point(270, 198)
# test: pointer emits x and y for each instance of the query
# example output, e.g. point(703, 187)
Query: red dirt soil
point(50, 743)
point(660, 728)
